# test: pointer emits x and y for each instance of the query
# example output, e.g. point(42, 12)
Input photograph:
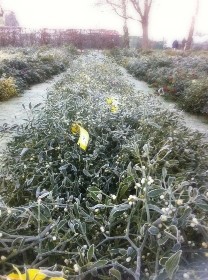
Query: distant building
point(135, 42)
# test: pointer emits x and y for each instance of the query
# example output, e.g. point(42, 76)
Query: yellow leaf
point(114, 104)
point(83, 138)
point(114, 109)
point(109, 100)
point(34, 274)
point(75, 128)
point(17, 275)
point(13, 276)
point(31, 274)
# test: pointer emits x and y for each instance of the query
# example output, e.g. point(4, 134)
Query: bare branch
point(137, 7)
point(149, 6)
point(115, 10)
point(113, 4)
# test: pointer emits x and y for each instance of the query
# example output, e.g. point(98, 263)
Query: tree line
point(142, 9)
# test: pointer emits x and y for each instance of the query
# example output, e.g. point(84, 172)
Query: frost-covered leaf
point(90, 252)
point(155, 192)
point(153, 230)
point(115, 273)
point(171, 265)
point(99, 264)
point(24, 152)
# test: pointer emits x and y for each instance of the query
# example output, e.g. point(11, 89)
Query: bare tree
point(120, 8)
point(125, 26)
point(143, 13)
point(192, 27)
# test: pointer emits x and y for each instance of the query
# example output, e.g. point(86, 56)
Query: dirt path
point(195, 123)
point(12, 112)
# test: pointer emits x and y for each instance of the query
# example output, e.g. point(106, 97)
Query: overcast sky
point(170, 19)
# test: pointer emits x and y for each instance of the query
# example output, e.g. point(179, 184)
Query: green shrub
point(182, 75)
point(195, 97)
point(46, 58)
point(8, 88)
point(35, 65)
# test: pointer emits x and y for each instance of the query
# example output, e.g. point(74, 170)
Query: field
point(130, 203)
point(22, 67)
point(178, 75)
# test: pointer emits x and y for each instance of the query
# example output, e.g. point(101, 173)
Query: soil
point(16, 111)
